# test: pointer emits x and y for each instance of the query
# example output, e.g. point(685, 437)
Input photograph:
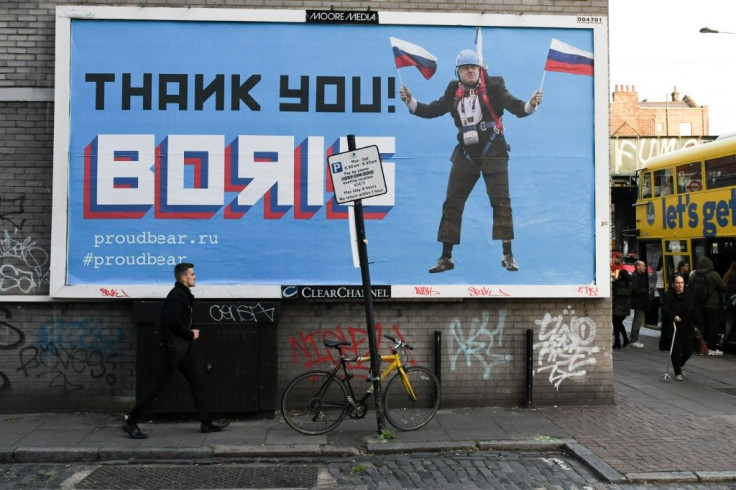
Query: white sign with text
point(357, 174)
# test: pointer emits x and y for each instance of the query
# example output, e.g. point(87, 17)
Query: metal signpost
point(357, 174)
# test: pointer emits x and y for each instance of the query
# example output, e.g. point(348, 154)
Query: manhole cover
point(193, 477)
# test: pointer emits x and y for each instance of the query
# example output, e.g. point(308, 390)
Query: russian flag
point(568, 59)
point(408, 54)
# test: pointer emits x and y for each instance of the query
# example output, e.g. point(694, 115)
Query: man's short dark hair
point(180, 269)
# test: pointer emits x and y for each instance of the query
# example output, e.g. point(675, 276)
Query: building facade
point(679, 116)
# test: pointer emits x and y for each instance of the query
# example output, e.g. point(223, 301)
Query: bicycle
point(316, 402)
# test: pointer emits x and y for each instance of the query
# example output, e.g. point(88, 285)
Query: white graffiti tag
point(565, 349)
point(477, 343)
point(31, 268)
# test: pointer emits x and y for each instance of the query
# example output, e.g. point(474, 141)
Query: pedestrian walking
point(678, 308)
point(729, 297)
point(709, 305)
point(176, 322)
point(640, 299)
point(621, 292)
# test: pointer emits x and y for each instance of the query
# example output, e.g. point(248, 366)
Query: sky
point(656, 45)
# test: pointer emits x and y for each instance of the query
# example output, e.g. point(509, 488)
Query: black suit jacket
point(176, 319)
point(500, 99)
point(639, 291)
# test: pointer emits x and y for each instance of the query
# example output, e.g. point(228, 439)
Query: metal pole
point(368, 300)
point(528, 399)
point(438, 354)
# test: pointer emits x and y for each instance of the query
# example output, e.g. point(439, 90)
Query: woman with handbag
point(678, 308)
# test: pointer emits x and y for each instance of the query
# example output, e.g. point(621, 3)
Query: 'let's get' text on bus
point(686, 207)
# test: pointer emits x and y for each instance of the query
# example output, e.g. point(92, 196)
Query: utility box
point(237, 347)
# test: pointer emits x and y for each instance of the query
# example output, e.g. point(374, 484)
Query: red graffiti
point(309, 349)
point(114, 293)
point(485, 291)
point(588, 290)
point(425, 291)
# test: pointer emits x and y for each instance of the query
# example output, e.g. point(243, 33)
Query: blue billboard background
point(300, 84)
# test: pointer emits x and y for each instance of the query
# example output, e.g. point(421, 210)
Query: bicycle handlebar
point(398, 343)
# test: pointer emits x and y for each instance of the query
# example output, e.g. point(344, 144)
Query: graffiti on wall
point(25, 265)
point(477, 342)
point(68, 352)
point(629, 154)
point(308, 349)
point(242, 313)
point(10, 210)
point(565, 349)
point(10, 338)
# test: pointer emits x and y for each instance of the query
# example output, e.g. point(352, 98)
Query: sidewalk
point(676, 431)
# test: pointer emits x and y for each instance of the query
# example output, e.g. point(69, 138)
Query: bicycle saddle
point(335, 343)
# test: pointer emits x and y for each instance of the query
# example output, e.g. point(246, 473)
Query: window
point(645, 184)
point(686, 129)
point(721, 172)
point(689, 178)
point(663, 183)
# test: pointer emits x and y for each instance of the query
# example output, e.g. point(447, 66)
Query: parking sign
point(357, 174)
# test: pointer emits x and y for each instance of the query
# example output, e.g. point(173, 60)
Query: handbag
point(700, 346)
point(730, 301)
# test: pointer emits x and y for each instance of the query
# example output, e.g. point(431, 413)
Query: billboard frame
point(599, 286)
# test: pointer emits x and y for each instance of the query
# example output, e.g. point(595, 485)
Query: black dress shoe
point(509, 263)
point(133, 431)
point(443, 264)
point(213, 426)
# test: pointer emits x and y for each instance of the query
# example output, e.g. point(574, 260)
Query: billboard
point(202, 135)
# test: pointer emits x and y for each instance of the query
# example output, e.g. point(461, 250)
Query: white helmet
point(467, 57)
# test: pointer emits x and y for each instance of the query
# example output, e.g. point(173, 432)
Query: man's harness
point(496, 125)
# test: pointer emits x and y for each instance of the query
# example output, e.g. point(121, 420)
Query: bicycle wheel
point(404, 412)
point(314, 402)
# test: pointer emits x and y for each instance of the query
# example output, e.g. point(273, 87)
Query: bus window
point(689, 178)
point(663, 182)
point(721, 172)
point(645, 184)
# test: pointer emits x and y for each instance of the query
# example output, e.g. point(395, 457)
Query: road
point(466, 470)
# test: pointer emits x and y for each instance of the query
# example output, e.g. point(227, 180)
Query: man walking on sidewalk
point(639, 301)
point(709, 306)
point(176, 320)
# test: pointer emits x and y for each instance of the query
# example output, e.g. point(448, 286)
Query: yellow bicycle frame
point(395, 363)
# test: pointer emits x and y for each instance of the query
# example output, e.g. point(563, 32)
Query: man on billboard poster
point(477, 103)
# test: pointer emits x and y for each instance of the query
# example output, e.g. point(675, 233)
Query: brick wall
point(483, 345)
point(66, 356)
point(80, 355)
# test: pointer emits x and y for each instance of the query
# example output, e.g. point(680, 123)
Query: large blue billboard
point(206, 140)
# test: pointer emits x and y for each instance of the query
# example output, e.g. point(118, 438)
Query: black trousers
point(619, 329)
point(709, 323)
point(193, 371)
point(682, 349)
point(463, 177)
